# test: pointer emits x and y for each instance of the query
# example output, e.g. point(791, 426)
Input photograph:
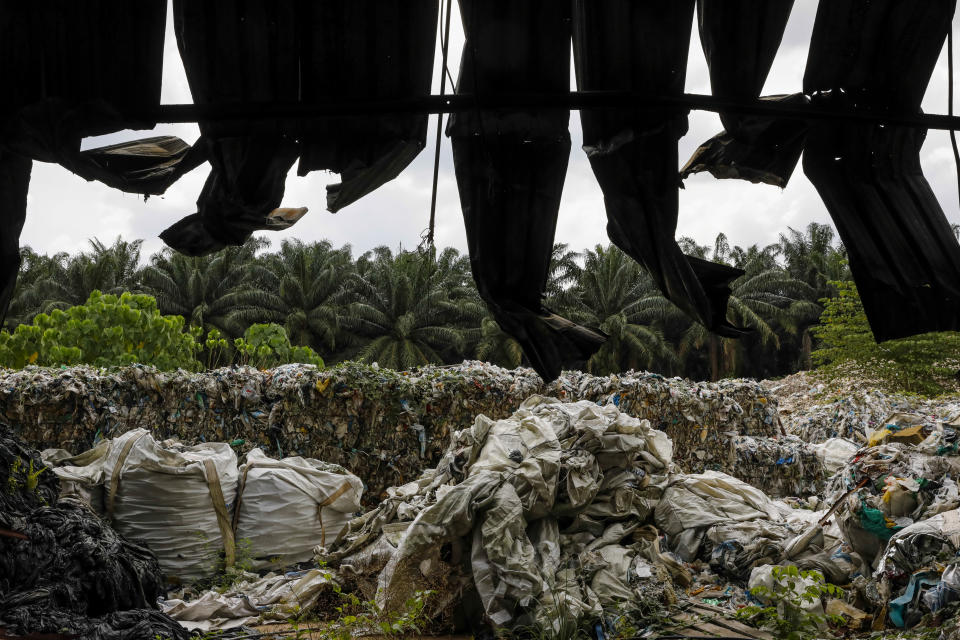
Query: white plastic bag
point(177, 499)
point(287, 507)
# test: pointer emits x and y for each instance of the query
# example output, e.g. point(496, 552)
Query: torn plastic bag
point(946, 591)
point(177, 499)
point(81, 476)
point(903, 254)
point(510, 168)
point(287, 507)
point(835, 453)
point(642, 47)
point(692, 503)
point(364, 50)
point(920, 545)
point(740, 40)
point(251, 600)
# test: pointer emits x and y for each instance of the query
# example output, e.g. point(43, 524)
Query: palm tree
point(497, 346)
point(109, 269)
point(306, 289)
point(615, 294)
point(812, 257)
point(412, 309)
point(765, 299)
point(28, 297)
point(220, 291)
point(565, 270)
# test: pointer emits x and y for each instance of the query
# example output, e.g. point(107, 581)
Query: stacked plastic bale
point(383, 425)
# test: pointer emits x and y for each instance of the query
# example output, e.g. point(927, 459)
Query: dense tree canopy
point(407, 308)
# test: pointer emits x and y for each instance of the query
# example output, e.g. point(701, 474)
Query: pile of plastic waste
point(65, 571)
point(384, 426)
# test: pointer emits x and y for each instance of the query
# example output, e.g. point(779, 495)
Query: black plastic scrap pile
point(65, 572)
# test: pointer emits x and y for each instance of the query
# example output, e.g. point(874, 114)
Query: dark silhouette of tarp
point(69, 70)
point(510, 167)
point(903, 255)
point(287, 52)
point(642, 47)
point(740, 39)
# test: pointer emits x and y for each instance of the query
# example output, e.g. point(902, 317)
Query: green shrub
point(925, 364)
point(267, 345)
point(784, 613)
point(106, 331)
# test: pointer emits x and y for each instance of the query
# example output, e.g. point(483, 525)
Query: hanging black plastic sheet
point(365, 49)
point(309, 52)
point(510, 167)
point(740, 39)
point(903, 255)
point(642, 47)
point(235, 52)
point(69, 70)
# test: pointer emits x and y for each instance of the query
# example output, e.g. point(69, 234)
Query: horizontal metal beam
point(572, 100)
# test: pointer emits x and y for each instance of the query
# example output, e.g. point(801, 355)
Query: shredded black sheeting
point(65, 571)
point(642, 46)
point(510, 167)
point(903, 255)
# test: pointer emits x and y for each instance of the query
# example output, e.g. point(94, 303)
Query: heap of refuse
point(62, 569)
point(560, 512)
point(382, 425)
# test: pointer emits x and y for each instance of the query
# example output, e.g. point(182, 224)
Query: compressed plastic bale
point(177, 499)
point(287, 507)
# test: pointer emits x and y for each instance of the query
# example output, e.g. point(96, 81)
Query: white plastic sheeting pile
point(550, 503)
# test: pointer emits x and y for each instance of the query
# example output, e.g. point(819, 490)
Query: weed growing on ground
point(785, 615)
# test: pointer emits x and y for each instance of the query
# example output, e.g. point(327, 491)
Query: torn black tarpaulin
point(69, 70)
point(510, 167)
point(740, 39)
point(903, 255)
point(14, 183)
point(244, 51)
point(365, 49)
point(642, 46)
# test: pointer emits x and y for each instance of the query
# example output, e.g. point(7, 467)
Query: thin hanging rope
point(953, 133)
point(444, 72)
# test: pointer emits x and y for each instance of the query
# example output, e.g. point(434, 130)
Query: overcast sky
point(65, 211)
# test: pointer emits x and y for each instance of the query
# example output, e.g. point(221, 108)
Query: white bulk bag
point(287, 507)
point(81, 476)
point(175, 498)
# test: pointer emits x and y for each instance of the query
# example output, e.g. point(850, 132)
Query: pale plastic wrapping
point(163, 497)
point(287, 507)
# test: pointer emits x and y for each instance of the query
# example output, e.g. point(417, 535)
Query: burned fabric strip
point(510, 167)
point(642, 47)
point(740, 40)
point(903, 255)
point(365, 50)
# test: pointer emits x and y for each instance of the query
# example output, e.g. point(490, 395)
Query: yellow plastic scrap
point(891, 433)
point(323, 384)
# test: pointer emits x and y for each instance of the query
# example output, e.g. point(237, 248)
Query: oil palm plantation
point(223, 291)
point(617, 296)
point(306, 293)
point(413, 308)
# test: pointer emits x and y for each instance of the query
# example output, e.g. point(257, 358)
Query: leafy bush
point(267, 345)
point(784, 613)
point(925, 364)
point(106, 331)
